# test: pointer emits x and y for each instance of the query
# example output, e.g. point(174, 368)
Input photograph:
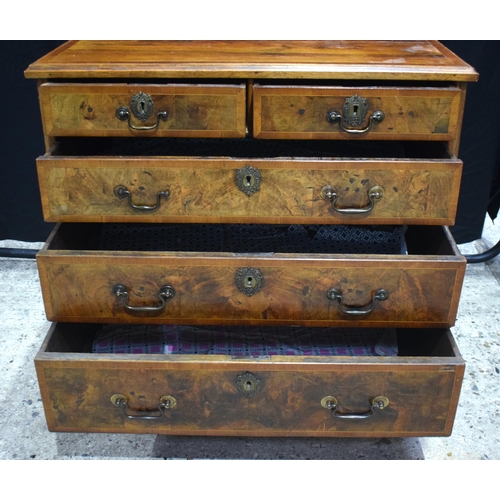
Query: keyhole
point(143, 106)
point(250, 282)
point(355, 109)
point(248, 386)
point(249, 181)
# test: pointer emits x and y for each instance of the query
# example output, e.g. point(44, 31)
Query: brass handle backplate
point(165, 294)
point(331, 403)
point(123, 192)
point(142, 108)
point(353, 114)
point(332, 193)
point(380, 295)
point(166, 403)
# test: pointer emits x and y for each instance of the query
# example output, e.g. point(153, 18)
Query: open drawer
point(286, 182)
point(414, 393)
point(254, 274)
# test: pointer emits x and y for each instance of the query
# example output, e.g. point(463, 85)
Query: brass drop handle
point(331, 403)
point(333, 117)
point(353, 114)
point(380, 295)
point(165, 294)
point(123, 192)
point(166, 403)
point(142, 107)
point(332, 193)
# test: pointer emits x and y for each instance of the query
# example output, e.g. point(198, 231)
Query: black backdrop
point(21, 140)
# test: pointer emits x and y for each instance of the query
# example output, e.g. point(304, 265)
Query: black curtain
point(22, 141)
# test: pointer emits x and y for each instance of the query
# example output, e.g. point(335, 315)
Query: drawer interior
point(248, 148)
point(254, 238)
point(80, 338)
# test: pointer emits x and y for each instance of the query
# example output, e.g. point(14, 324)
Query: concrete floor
point(24, 436)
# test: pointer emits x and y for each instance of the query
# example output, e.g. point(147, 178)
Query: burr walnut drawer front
point(413, 393)
point(227, 274)
point(406, 183)
point(170, 110)
point(381, 113)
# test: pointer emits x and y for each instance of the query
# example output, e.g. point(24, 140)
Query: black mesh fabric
point(253, 238)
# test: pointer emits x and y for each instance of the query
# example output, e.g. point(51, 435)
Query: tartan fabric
point(245, 340)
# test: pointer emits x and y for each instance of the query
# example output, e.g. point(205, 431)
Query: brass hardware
point(328, 402)
point(332, 193)
point(166, 403)
point(377, 403)
point(142, 107)
point(165, 294)
point(248, 179)
point(380, 295)
point(123, 192)
point(249, 280)
point(354, 113)
point(248, 384)
point(354, 110)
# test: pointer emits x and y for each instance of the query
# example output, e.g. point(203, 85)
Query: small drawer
point(381, 113)
point(91, 180)
point(173, 110)
point(257, 274)
point(414, 393)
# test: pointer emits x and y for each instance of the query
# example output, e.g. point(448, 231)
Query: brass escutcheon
point(142, 106)
point(249, 280)
point(354, 110)
point(248, 384)
point(248, 179)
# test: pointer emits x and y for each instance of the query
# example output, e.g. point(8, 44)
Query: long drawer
point(412, 394)
point(170, 110)
point(225, 275)
point(371, 113)
point(401, 183)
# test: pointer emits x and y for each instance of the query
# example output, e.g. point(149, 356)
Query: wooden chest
point(291, 191)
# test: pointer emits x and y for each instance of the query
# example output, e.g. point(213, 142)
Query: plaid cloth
point(245, 341)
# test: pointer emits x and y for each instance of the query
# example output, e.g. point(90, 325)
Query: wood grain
point(325, 59)
point(422, 392)
point(77, 286)
point(204, 190)
point(299, 112)
point(193, 110)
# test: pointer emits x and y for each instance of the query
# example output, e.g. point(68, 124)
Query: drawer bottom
point(412, 394)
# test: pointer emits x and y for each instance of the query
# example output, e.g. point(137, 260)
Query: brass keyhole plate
point(249, 280)
point(142, 106)
point(248, 384)
point(248, 179)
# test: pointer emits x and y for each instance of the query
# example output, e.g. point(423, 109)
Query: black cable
point(19, 253)
point(483, 257)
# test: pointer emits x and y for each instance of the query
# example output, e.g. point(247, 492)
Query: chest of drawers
point(292, 189)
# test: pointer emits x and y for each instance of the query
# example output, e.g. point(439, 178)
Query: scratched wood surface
point(373, 59)
point(205, 190)
point(422, 391)
point(77, 286)
point(300, 112)
point(193, 110)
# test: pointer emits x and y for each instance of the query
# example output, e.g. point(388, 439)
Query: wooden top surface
point(341, 59)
